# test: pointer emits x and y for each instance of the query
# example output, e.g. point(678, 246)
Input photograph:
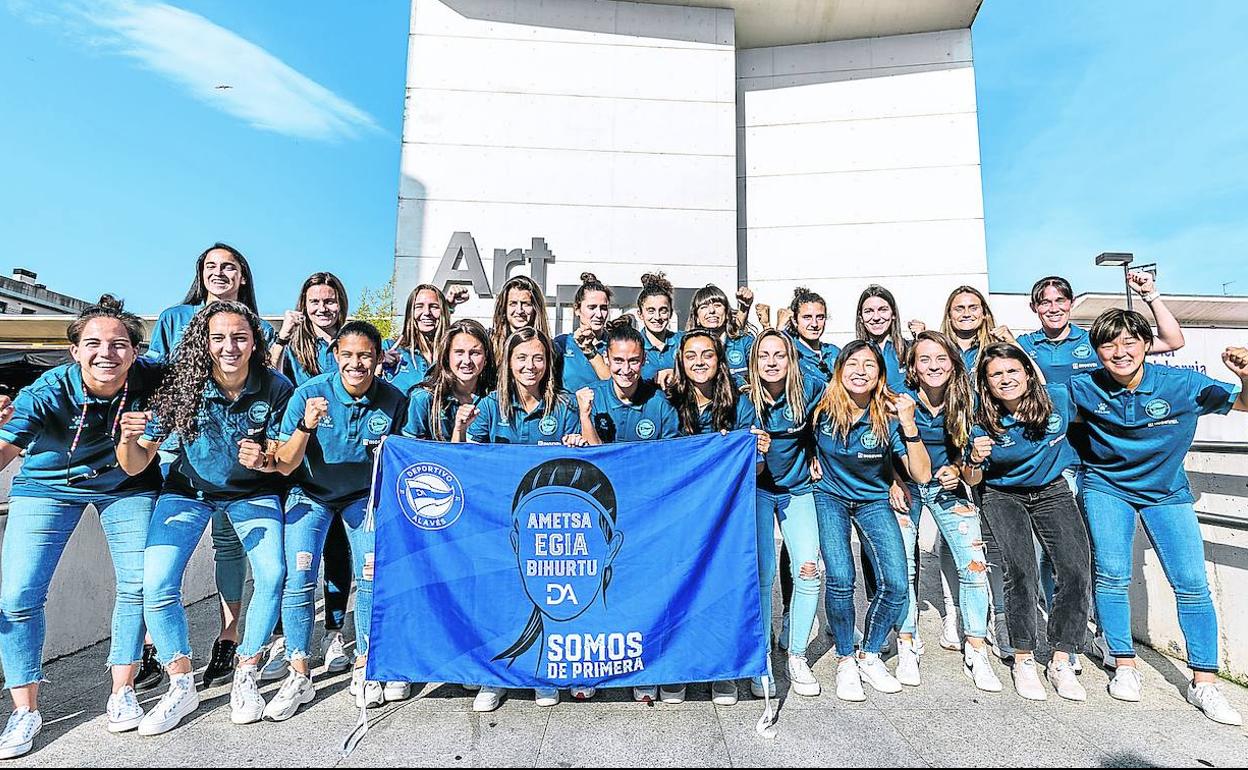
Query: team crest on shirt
point(379, 424)
point(1055, 423)
point(258, 411)
point(736, 357)
point(430, 496)
point(548, 425)
point(645, 429)
point(1082, 351)
point(788, 413)
point(1157, 408)
point(870, 440)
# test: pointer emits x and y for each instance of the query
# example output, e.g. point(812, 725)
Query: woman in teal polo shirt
point(426, 317)
point(226, 404)
point(330, 432)
point(520, 304)
point(710, 310)
point(655, 305)
point(808, 318)
point(580, 357)
point(67, 422)
point(878, 322)
point(463, 374)
point(1139, 421)
point(222, 274)
point(627, 407)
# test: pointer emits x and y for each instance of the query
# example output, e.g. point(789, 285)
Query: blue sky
point(1104, 127)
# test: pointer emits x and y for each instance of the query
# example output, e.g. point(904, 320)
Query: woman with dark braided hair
point(808, 317)
point(67, 423)
point(463, 374)
point(226, 405)
point(583, 353)
point(655, 305)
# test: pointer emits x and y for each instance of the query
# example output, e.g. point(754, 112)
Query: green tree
point(377, 307)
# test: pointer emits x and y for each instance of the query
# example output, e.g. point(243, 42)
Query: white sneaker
point(488, 699)
point(1127, 684)
point(648, 694)
point(181, 700)
point(917, 641)
point(124, 711)
point(392, 692)
point(1208, 698)
point(877, 674)
point(801, 680)
point(582, 693)
point(1100, 649)
point(546, 697)
point(849, 681)
point(275, 666)
point(783, 640)
point(1027, 680)
point(296, 691)
point(672, 694)
point(19, 734)
point(1062, 676)
point(950, 639)
point(246, 702)
point(756, 688)
point(908, 663)
point(333, 651)
point(724, 693)
point(975, 665)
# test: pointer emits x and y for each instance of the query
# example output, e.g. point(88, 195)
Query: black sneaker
point(151, 673)
point(221, 667)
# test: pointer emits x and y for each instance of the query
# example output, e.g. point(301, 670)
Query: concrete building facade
point(824, 142)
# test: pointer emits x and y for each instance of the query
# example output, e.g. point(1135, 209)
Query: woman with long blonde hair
point(426, 317)
point(861, 428)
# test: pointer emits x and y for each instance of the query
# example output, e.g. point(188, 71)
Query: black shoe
point(221, 666)
point(151, 673)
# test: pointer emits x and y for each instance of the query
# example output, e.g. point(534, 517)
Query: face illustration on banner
point(564, 537)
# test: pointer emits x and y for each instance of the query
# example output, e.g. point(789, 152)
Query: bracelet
point(283, 341)
point(1151, 297)
point(304, 428)
point(911, 439)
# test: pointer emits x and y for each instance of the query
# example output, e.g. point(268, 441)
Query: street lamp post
point(1118, 259)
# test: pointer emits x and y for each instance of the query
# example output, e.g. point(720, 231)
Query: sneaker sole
point(855, 698)
point(910, 682)
point(1229, 722)
point(19, 750)
point(806, 690)
point(672, 700)
point(246, 719)
point(487, 708)
point(126, 726)
point(397, 699)
point(338, 668)
point(168, 724)
point(546, 702)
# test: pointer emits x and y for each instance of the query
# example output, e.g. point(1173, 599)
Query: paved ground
point(944, 722)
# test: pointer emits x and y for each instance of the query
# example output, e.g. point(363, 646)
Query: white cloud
point(199, 56)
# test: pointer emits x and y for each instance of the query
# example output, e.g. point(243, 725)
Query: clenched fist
point(251, 455)
point(981, 449)
point(134, 425)
point(314, 410)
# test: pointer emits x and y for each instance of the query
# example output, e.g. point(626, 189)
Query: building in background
point(828, 143)
point(22, 295)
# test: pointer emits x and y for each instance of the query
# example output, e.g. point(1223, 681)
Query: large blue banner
point(527, 566)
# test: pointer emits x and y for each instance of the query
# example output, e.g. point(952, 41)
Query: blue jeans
point(958, 522)
point(877, 527)
point(177, 525)
point(34, 539)
point(1176, 537)
point(229, 559)
point(307, 523)
point(799, 525)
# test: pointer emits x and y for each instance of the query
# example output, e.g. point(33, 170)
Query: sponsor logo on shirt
point(326, 422)
point(1102, 408)
point(1158, 408)
point(258, 411)
point(379, 424)
point(645, 428)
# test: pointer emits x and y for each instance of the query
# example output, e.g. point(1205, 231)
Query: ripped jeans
point(307, 523)
point(958, 522)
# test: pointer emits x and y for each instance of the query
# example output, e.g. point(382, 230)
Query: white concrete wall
point(858, 163)
point(605, 127)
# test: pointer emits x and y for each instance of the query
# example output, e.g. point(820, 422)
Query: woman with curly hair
point(66, 422)
point(226, 405)
point(222, 274)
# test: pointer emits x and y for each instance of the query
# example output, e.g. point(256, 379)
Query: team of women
point(1063, 437)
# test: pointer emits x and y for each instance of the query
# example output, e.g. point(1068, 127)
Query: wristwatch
point(911, 439)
